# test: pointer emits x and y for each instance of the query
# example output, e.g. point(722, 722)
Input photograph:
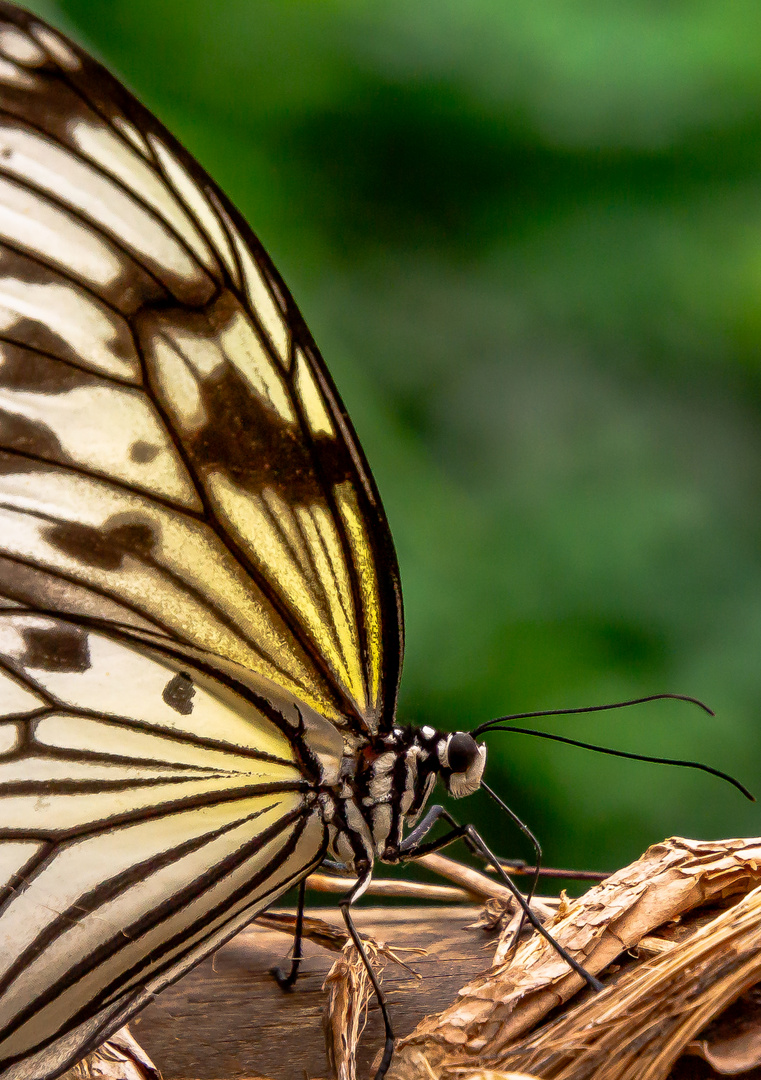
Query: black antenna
point(623, 753)
point(503, 723)
point(590, 708)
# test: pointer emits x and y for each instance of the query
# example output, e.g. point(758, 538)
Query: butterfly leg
point(362, 882)
point(537, 859)
point(412, 843)
point(334, 867)
point(286, 982)
point(411, 848)
point(460, 832)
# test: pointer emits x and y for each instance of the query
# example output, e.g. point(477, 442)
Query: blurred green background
point(528, 240)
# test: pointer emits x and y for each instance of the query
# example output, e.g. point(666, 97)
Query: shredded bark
point(496, 1010)
point(490, 1074)
point(636, 1029)
point(486, 1074)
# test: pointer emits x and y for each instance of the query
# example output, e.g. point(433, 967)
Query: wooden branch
point(641, 1025)
point(403, 890)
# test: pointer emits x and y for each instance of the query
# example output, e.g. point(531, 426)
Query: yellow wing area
point(173, 456)
point(147, 812)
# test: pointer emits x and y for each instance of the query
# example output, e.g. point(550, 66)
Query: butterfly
point(201, 624)
point(201, 628)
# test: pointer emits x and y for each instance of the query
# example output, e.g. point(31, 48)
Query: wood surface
point(675, 937)
point(228, 1019)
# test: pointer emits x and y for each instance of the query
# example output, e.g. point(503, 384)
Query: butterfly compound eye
point(462, 751)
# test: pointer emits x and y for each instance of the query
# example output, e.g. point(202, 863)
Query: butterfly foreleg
point(364, 874)
point(412, 848)
point(334, 867)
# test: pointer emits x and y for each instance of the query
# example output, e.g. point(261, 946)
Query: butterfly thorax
point(384, 788)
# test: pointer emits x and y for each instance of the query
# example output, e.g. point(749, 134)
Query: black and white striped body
point(385, 786)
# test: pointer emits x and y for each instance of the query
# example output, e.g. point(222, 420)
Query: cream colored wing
point(174, 458)
point(147, 812)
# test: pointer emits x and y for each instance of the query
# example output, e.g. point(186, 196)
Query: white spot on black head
point(179, 692)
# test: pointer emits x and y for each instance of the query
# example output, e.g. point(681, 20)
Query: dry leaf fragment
point(731, 1044)
point(494, 914)
point(119, 1058)
point(732, 1057)
point(349, 992)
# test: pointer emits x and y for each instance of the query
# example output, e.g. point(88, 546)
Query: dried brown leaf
point(732, 1044)
point(494, 1010)
point(119, 1058)
point(494, 915)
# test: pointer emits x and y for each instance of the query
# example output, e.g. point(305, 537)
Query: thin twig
point(408, 890)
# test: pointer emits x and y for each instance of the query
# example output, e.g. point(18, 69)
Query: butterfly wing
point(198, 588)
point(174, 458)
point(142, 822)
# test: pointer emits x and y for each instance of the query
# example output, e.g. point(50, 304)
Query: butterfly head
point(462, 762)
